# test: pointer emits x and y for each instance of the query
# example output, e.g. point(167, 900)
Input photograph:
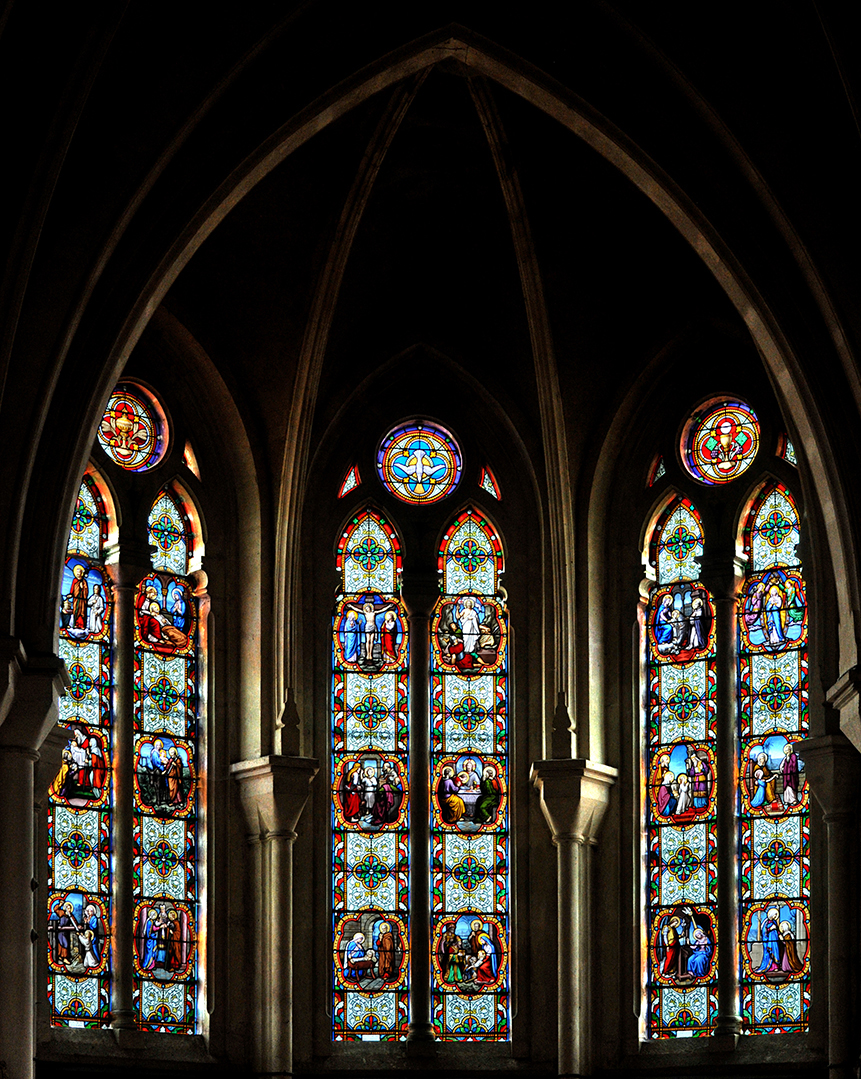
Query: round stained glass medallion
point(133, 429)
point(720, 441)
point(419, 462)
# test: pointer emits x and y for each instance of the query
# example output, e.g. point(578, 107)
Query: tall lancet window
point(80, 801)
point(681, 812)
point(165, 788)
point(370, 788)
point(774, 877)
point(469, 766)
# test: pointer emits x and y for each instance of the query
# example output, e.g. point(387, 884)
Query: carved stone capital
point(845, 696)
point(28, 709)
point(274, 791)
point(574, 795)
point(832, 767)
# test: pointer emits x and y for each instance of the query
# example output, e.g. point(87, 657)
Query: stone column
point(274, 791)
point(126, 574)
point(28, 711)
point(574, 796)
point(420, 592)
point(832, 768)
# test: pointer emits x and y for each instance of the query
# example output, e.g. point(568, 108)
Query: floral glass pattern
point(370, 788)
point(350, 482)
point(419, 462)
point(80, 799)
point(773, 814)
point(133, 431)
point(681, 813)
point(720, 442)
point(469, 796)
point(488, 483)
point(165, 832)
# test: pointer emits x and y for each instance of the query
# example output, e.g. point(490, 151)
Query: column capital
point(32, 685)
point(832, 766)
point(574, 796)
point(845, 696)
point(274, 791)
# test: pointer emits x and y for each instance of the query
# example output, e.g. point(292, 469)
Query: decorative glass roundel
point(132, 431)
point(419, 462)
point(720, 441)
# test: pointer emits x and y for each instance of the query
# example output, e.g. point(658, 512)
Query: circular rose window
point(133, 429)
point(419, 462)
point(720, 441)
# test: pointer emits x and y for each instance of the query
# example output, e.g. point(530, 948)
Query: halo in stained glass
point(419, 462)
point(133, 431)
point(720, 441)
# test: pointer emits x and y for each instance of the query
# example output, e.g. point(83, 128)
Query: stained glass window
point(719, 442)
point(351, 481)
point(370, 788)
point(133, 431)
point(657, 471)
point(80, 801)
point(786, 450)
point(165, 781)
point(488, 483)
point(774, 870)
point(469, 766)
point(419, 462)
point(681, 809)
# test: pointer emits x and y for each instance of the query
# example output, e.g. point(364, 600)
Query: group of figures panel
point(165, 615)
point(370, 634)
point(78, 942)
point(773, 611)
point(775, 941)
point(164, 939)
point(371, 951)
point(470, 952)
point(684, 945)
point(468, 635)
point(370, 791)
point(773, 777)
point(83, 780)
point(85, 601)
point(682, 624)
point(683, 782)
point(164, 775)
point(469, 792)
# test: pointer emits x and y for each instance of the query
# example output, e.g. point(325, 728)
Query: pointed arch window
point(370, 775)
point(774, 819)
point(681, 805)
point(81, 797)
point(123, 919)
point(165, 835)
point(469, 767)
point(762, 790)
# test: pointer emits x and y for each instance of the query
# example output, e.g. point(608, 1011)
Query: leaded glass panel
point(370, 788)
point(469, 789)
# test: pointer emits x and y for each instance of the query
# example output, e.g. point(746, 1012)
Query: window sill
point(124, 1047)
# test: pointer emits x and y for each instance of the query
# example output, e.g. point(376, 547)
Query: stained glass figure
point(419, 462)
point(370, 788)
point(469, 788)
point(681, 807)
point(657, 471)
point(488, 483)
point(165, 833)
point(351, 481)
point(80, 799)
point(720, 441)
point(786, 450)
point(133, 431)
point(774, 869)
